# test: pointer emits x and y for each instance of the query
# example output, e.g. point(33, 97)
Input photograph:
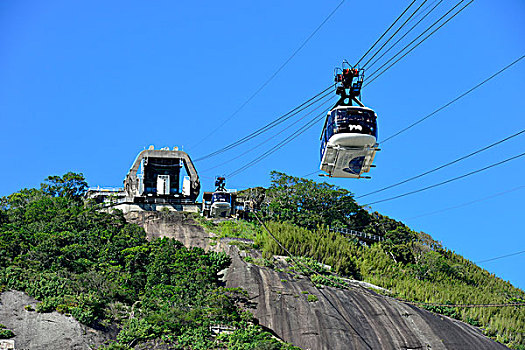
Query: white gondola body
point(349, 154)
point(220, 206)
point(220, 209)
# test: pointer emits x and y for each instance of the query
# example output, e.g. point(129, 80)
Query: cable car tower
point(349, 136)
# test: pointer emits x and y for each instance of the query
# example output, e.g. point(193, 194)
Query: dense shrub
point(327, 247)
point(102, 270)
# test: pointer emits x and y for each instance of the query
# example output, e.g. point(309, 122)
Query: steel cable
point(281, 144)
point(444, 165)
point(500, 257)
point(306, 267)
point(386, 31)
point(272, 76)
point(268, 139)
point(270, 125)
point(419, 43)
point(394, 34)
point(454, 100)
point(446, 181)
point(407, 32)
point(466, 204)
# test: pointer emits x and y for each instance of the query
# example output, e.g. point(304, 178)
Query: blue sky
point(86, 86)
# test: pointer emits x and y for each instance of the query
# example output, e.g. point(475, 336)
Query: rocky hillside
point(338, 319)
point(73, 276)
point(45, 330)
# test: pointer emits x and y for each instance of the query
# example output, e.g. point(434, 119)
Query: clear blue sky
point(87, 85)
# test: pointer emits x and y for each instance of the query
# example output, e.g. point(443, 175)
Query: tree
point(70, 185)
point(310, 204)
point(399, 244)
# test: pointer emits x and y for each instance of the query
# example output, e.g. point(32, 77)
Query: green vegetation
point(245, 338)
point(99, 269)
point(327, 247)
point(410, 264)
point(309, 204)
point(312, 298)
point(102, 271)
point(237, 229)
point(5, 333)
point(242, 245)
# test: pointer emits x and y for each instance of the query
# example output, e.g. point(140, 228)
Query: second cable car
point(219, 203)
point(349, 136)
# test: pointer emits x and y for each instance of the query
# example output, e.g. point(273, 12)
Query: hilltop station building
point(154, 182)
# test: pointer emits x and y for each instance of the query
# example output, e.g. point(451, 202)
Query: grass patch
point(5, 333)
point(242, 245)
point(312, 298)
point(237, 229)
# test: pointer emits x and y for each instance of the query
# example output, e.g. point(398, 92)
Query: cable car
point(349, 136)
point(219, 203)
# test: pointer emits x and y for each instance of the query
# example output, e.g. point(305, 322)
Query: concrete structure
point(154, 177)
point(153, 183)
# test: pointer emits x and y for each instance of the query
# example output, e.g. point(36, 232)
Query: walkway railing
point(363, 235)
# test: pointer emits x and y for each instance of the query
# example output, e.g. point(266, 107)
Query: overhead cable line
point(420, 35)
point(394, 34)
point(284, 117)
point(454, 100)
point(500, 257)
point(310, 174)
point(281, 144)
point(406, 21)
point(444, 165)
point(419, 43)
point(311, 101)
point(281, 67)
point(407, 32)
point(417, 303)
point(466, 203)
point(447, 181)
point(386, 31)
point(268, 139)
point(424, 10)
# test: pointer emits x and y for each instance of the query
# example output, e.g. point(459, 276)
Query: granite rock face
point(345, 319)
point(44, 330)
point(334, 319)
point(174, 225)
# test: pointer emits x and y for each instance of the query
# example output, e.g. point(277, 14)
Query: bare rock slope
point(339, 319)
point(174, 225)
point(44, 330)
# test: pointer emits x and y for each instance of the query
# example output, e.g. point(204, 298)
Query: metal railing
point(358, 234)
point(105, 189)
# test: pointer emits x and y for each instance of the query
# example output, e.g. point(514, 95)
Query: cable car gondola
point(349, 136)
point(219, 203)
